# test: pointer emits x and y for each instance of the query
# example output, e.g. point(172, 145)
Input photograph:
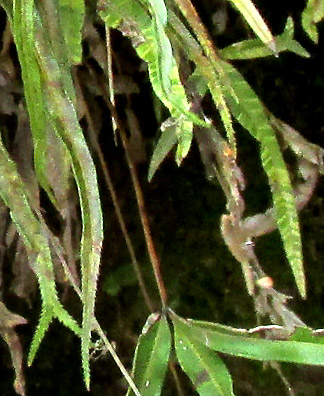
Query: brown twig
point(141, 207)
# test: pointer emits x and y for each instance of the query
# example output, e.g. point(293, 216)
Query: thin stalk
point(110, 77)
point(145, 224)
point(141, 208)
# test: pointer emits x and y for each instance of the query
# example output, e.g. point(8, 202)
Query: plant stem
point(141, 208)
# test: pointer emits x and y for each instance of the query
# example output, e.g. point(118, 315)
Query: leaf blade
point(206, 370)
point(259, 349)
point(151, 357)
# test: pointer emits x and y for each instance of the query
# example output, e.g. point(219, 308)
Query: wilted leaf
point(8, 321)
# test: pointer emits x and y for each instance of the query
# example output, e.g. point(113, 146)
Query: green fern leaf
point(249, 111)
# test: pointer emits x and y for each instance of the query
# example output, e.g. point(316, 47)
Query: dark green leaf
point(204, 367)
point(151, 357)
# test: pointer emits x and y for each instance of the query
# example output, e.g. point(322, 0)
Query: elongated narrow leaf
point(312, 14)
point(42, 131)
point(64, 118)
point(151, 357)
point(257, 24)
point(257, 349)
point(249, 111)
point(254, 48)
point(204, 367)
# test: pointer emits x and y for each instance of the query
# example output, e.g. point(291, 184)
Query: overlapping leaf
point(68, 128)
point(23, 32)
point(204, 367)
point(48, 70)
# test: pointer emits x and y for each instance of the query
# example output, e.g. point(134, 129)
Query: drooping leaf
point(208, 64)
point(249, 111)
point(165, 144)
point(203, 366)
point(60, 102)
point(151, 356)
point(23, 32)
point(64, 118)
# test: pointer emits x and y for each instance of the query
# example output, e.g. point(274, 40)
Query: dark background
point(202, 278)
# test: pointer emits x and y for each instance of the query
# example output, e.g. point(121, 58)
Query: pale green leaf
point(159, 10)
point(152, 45)
point(151, 357)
